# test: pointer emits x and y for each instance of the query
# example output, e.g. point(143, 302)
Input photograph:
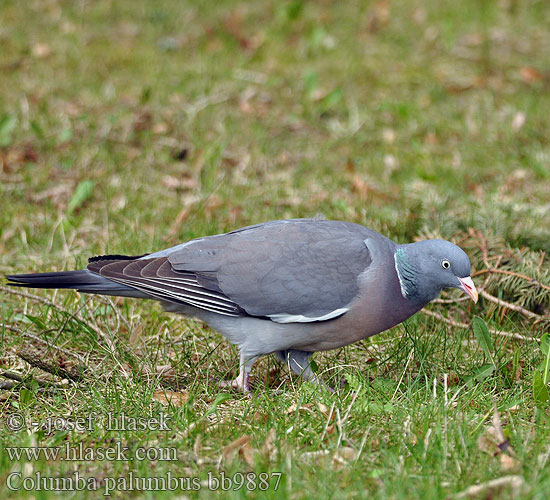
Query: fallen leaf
point(465, 85)
point(472, 39)
point(508, 463)
point(388, 135)
point(268, 448)
point(489, 441)
point(323, 408)
point(135, 335)
point(491, 488)
point(144, 121)
point(419, 15)
point(359, 186)
point(343, 456)
point(53, 193)
point(529, 74)
point(391, 162)
point(18, 156)
point(294, 407)
point(168, 376)
point(165, 369)
point(234, 26)
point(183, 183)
point(494, 442)
point(247, 454)
point(518, 121)
point(379, 16)
point(167, 397)
point(347, 453)
point(431, 139)
point(160, 128)
point(230, 451)
point(41, 50)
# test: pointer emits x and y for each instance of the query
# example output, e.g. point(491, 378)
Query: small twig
point(9, 384)
point(97, 330)
point(37, 298)
point(76, 315)
point(451, 301)
point(25, 382)
point(451, 322)
point(42, 341)
point(459, 324)
point(119, 316)
point(12, 376)
point(511, 306)
point(35, 359)
point(541, 261)
point(493, 270)
point(482, 246)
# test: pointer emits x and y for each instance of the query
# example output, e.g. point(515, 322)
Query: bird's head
point(426, 267)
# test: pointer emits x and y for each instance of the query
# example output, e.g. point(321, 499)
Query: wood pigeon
point(289, 287)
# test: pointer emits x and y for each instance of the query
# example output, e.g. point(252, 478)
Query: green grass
point(126, 127)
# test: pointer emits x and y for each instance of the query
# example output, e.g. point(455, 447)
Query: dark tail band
point(83, 281)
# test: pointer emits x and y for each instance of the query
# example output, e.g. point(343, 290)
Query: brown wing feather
point(157, 278)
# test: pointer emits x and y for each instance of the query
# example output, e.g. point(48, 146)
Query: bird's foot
point(240, 384)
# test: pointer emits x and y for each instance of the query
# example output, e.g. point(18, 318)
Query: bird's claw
point(240, 384)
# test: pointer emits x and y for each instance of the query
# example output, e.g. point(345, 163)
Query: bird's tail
point(84, 281)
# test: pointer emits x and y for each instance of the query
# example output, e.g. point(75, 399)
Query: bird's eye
point(445, 264)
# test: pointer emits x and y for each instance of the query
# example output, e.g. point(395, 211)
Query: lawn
point(127, 127)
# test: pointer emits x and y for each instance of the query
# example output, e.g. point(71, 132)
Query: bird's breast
point(378, 307)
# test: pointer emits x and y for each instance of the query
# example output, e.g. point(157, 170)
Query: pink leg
point(241, 382)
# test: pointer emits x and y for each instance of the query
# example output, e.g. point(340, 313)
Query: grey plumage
point(291, 287)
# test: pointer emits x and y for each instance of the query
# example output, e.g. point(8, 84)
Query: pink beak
point(468, 286)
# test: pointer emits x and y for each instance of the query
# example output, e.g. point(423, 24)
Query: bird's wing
point(156, 278)
point(290, 271)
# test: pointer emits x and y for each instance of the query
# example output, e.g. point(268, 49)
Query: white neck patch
point(401, 285)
